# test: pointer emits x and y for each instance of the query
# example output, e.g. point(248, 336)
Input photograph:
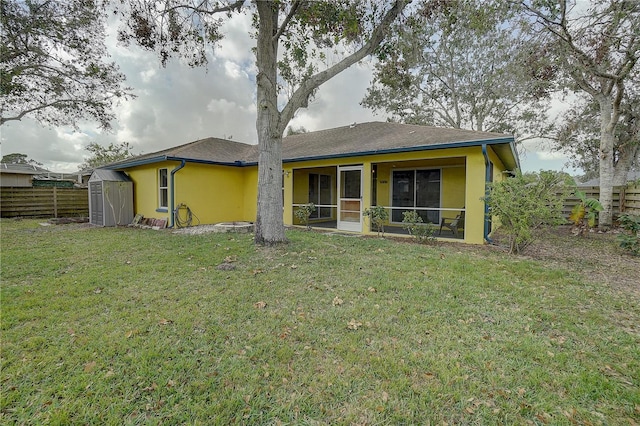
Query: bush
point(630, 240)
point(304, 213)
point(421, 232)
point(379, 215)
point(584, 214)
point(525, 202)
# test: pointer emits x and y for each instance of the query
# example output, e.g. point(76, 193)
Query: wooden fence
point(626, 200)
point(44, 202)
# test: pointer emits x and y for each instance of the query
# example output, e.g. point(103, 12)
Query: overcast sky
point(178, 104)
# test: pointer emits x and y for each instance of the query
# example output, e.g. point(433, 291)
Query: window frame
point(163, 189)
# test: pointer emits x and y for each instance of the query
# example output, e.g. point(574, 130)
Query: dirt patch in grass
point(597, 256)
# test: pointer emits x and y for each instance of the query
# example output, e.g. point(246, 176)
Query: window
point(320, 194)
point(418, 190)
point(163, 189)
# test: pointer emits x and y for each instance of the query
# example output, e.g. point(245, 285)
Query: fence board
point(625, 200)
point(44, 202)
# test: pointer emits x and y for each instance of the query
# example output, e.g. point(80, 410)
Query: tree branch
point(301, 96)
point(294, 8)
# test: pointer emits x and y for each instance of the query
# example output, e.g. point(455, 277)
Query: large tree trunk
point(269, 221)
point(607, 137)
point(628, 156)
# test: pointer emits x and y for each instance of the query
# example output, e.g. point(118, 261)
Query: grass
point(130, 326)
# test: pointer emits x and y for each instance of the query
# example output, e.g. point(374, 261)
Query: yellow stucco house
point(438, 172)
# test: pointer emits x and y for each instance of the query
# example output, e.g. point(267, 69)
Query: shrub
point(525, 202)
point(421, 232)
point(379, 215)
point(304, 213)
point(584, 214)
point(630, 240)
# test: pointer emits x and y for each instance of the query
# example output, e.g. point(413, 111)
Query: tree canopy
point(101, 155)
point(469, 67)
point(18, 158)
point(53, 66)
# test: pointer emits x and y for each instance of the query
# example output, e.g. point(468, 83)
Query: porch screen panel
point(428, 194)
point(416, 189)
point(403, 192)
point(320, 194)
point(325, 195)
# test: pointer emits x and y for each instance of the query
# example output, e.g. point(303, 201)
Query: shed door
point(97, 207)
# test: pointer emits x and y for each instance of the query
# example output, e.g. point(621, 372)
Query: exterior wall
point(213, 193)
point(250, 182)
point(145, 189)
point(15, 180)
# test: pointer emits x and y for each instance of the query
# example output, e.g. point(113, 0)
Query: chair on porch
point(453, 224)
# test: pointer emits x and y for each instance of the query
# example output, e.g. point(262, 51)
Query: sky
point(177, 104)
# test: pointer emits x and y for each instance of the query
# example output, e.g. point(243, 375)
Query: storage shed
point(110, 198)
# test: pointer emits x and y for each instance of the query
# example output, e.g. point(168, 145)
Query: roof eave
point(459, 144)
point(151, 160)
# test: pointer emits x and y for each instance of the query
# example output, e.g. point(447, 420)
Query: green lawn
point(130, 326)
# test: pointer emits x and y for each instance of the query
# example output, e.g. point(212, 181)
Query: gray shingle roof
point(24, 169)
point(376, 137)
point(355, 139)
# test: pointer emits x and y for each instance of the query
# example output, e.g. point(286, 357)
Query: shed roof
point(105, 175)
point(346, 141)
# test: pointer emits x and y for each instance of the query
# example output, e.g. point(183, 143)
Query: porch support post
point(366, 195)
point(287, 182)
point(475, 190)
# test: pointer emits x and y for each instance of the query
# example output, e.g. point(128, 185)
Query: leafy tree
point(579, 137)
point(52, 66)
point(527, 201)
point(596, 49)
point(100, 155)
point(17, 158)
point(291, 38)
point(467, 68)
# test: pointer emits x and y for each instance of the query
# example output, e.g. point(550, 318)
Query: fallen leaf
point(385, 396)
point(230, 259)
point(294, 267)
point(353, 324)
point(171, 383)
point(372, 290)
point(131, 333)
point(337, 301)
point(109, 373)
point(257, 271)
point(165, 321)
point(97, 290)
point(88, 367)
point(151, 388)
point(521, 391)
point(260, 305)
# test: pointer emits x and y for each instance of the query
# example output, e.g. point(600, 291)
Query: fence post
point(623, 196)
point(55, 202)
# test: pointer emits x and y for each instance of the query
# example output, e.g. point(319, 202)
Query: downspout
point(487, 179)
point(172, 192)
